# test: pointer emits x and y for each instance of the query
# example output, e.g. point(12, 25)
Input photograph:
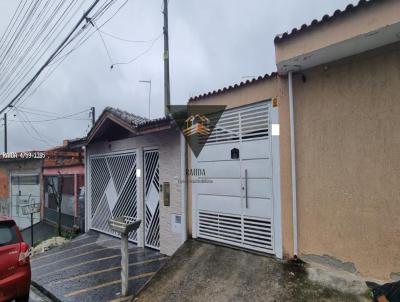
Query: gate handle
point(245, 185)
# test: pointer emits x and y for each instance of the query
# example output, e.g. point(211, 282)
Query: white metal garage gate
point(237, 208)
point(112, 189)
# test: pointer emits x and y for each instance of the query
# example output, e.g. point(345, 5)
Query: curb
point(45, 291)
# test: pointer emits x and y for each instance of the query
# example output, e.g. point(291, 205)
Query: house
point(65, 164)
point(25, 178)
point(20, 185)
point(317, 176)
point(303, 163)
point(133, 168)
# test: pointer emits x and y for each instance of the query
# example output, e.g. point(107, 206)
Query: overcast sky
point(213, 43)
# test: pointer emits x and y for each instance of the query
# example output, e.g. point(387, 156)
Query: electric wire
point(40, 49)
point(68, 116)
point(139, 55)
point(52, 56)
point(124, 39)
point(23, 52)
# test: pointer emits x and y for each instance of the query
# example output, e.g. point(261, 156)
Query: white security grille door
point(152, 199)
point(113, 190)
point(237, 206)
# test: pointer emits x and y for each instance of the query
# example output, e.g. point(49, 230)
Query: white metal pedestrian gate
point(152, 199)
point(113, 190)
point(235, 205)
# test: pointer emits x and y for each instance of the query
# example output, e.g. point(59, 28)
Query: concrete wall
point(168, 143)
point(348, 163)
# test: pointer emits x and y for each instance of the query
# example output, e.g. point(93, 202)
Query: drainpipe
point(184, 185)
point(293, 160)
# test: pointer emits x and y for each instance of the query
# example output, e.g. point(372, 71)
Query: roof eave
point(100, 122)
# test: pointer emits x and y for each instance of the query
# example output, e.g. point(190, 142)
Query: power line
point(7, 46)
point(139, 55)
point(60, 60)
point(126, 40)
point(27, 37)
point(69, 116)
point(10, 24)
point(41, 49)
point(39, 136)
point(27, 53)
point(29, 84)
point(65, 43)
point(88, 36)
point(83, 39)
point(102, 40)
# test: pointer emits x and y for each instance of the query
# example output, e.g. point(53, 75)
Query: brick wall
point(4, 183)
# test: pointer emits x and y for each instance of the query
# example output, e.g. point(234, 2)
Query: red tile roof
point(235, 86)
point(326, 18)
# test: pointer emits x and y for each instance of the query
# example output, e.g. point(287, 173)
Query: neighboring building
point(327, 188)
point(24, 179)
point(20, 185)
point(133, 168)
point(66, 162)
point(343, 73)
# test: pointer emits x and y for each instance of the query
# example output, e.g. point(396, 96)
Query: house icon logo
point(197, 123)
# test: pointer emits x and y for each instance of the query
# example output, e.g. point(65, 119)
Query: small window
point(25, 180)
point(8, 233)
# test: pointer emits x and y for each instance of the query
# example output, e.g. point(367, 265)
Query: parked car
point(15, 268)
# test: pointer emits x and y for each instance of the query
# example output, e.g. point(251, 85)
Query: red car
point(15, 268)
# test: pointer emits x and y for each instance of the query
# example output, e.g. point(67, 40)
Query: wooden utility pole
point(166, 60)
point(93, 114)
point(5, 132)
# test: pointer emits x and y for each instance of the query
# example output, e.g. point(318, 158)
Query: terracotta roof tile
point(137, 121)
point(326, 18)
point(130, 118)
point(231, 87)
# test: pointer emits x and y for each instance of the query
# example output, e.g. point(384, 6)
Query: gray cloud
point(212, 44)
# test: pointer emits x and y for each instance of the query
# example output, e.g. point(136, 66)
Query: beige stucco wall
point(374, 16)
point(347, 121)
point(285, 169)
point(168, 144)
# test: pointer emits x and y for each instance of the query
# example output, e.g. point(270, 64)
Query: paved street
point(88, 268)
